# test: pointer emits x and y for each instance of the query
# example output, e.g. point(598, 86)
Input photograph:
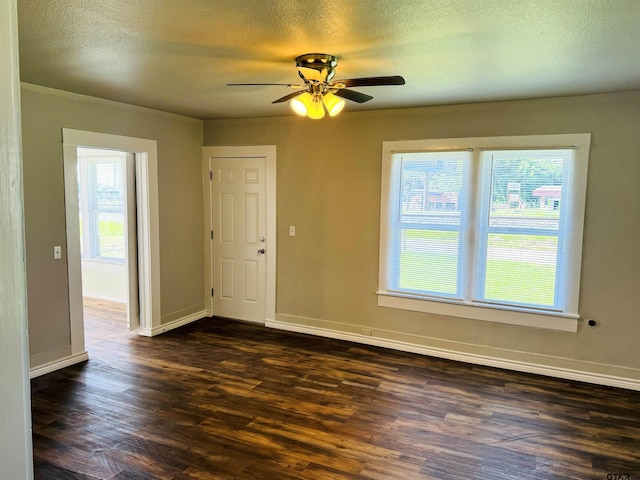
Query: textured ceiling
point(178, 55)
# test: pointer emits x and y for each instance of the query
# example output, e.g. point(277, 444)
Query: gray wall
point(329, 174)
point(329, 187)
point(45, 112)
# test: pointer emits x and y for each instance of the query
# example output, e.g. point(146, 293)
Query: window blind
point(522, 227)
point(428, 221)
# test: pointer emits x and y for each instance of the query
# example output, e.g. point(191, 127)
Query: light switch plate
point(57, 252)
point(292, 230)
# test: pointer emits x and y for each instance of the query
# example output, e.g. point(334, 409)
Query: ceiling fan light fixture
point(316, 109)
point(334, 104)
point(308, 105)
point(301, 103)
point(320, 93)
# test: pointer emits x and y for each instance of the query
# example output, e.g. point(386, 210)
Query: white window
point(485, 228)
point(102, 204)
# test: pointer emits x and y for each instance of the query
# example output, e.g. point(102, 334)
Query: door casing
point(147, 226)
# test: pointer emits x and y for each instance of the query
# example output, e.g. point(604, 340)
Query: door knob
point(261, 251)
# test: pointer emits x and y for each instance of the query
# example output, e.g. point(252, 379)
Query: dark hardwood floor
point(220, 399)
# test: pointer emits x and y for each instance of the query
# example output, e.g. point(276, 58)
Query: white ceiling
point(178, 55)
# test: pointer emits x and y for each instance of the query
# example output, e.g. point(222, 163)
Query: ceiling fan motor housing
point(321, 62)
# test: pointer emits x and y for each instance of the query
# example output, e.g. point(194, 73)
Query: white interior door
point(240, 246)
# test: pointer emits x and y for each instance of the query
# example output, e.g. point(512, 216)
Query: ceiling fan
point(319, 91)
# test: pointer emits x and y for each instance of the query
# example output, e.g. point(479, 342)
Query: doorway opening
point(108, 245)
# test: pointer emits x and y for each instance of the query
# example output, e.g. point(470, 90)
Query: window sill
point(489, 313)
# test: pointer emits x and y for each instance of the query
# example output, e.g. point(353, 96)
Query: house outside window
point(485, 228)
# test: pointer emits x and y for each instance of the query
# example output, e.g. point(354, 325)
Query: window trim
point(564, 321)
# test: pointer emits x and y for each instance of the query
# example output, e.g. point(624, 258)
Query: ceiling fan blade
point(290, 85)
point(286, 98)
point(372, 81)
point(353, 95)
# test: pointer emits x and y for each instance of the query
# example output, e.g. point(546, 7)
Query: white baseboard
point(58, 364)
point(165, 327)
point(581, 375)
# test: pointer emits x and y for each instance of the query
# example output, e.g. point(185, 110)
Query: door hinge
point(212, 292)
point(210, 175)
point(211, 234)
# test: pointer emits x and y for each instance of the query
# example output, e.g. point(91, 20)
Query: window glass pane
point(110, 235)
point(429, 221)
point(101, 192)
point(429, 261)
point(107, 180)
point(521, 269)
point(430, 189)
point(526, 190)
point(521, 259)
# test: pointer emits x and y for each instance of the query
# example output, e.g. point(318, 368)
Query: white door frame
point(269, 153)
point(147, 223)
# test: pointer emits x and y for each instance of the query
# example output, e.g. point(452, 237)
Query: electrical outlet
point(292, 230)
point(57, 252)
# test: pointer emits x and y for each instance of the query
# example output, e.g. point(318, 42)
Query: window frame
point(566, 320)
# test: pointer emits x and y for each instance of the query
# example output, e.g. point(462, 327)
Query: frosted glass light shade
point(313, 106)
point(334, 104)
point(315, 110)
point(301, 103)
